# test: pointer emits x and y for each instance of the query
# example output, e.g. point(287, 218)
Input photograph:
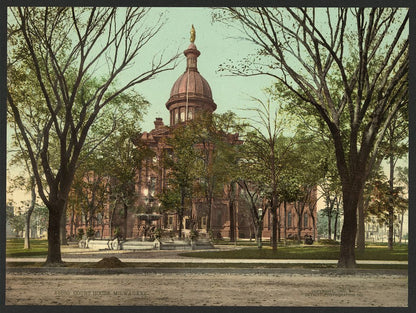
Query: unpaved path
point(198, 289)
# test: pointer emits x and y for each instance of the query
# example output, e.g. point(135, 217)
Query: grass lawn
point(214, 265)
point(318, 252)
point(14, 248)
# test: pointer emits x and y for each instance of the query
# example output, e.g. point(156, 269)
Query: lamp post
point(259, 234)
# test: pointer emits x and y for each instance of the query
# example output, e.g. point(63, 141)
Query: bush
point(90, 232)
point(158, 233)
point(193, 234)
point(328, 242)
point(80, 233)
point(117, 233)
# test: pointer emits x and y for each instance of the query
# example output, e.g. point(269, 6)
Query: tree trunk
point(336, 226)
point(329, 206)
point(273, 211)
point(313, 226)
point(259, 234)
point(54, 242)
point(285, 223)
point(209, 217)
point(231, 207)
point(64, 241)
point(391, 205)
point(71, 229)
point(27, 233)
point(361, 225)
point(279, 228)
point(391, 227)
point(30, 211)
point(180, 218)
point(181, 214)
point(299, 214)
point(125, 207)
point(111, 219)
point(349, 229)
point(401, 227)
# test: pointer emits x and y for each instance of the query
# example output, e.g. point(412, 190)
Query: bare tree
point(268, 149)
point(350, 65)
point(63, 48)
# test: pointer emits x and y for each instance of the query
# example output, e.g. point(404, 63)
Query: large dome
point(193, 83)
point(191, 92)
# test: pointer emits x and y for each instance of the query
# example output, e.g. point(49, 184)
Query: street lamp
point(259, 234)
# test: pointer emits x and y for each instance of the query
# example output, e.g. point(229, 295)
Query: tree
point(30, 185)
point(216, 143)
point(202, 159)
point(253, 195)
point(309, 166)
point(268, 153)
point(181, 162)
point(28, 90)
point(403, 180)
point(386, 205)
point(252, 182)
point(63, 47)
point(394, 148)
point(16, 221)
point(124, 157)
point(348, 64)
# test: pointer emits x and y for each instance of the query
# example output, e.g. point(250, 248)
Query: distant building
point(191, 95)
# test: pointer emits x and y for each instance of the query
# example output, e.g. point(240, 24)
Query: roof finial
point(192, 34)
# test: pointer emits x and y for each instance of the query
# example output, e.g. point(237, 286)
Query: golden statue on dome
point(192, 34)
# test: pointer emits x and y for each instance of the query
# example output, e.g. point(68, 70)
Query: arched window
point(305, 220)
point(289, 219)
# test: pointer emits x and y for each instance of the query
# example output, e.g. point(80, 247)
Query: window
point(170, 222)
point(305, 220)
point(289, 219)
point(182, 115)
point(190, 114)
point(203, 222)
point(176, 116)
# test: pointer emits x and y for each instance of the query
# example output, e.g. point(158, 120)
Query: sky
point(216, 46)
point(216, 43)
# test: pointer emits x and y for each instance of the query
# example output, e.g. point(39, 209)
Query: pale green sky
point(216, 46)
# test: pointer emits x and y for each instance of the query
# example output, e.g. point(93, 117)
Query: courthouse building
point(191, 95)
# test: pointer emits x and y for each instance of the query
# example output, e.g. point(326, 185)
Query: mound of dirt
point(110, 262)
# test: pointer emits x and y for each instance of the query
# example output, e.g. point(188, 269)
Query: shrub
point(80, 233)
point(158, 233)
point(90, 232)
point(117, 233)
point(328, 242)
point(193, 234)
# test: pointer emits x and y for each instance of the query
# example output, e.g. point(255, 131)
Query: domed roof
point(191, 89)
point(193, 83)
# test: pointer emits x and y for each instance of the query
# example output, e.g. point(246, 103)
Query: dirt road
point(210, 289)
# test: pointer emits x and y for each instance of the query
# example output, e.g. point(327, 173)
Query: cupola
point(191, 93)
